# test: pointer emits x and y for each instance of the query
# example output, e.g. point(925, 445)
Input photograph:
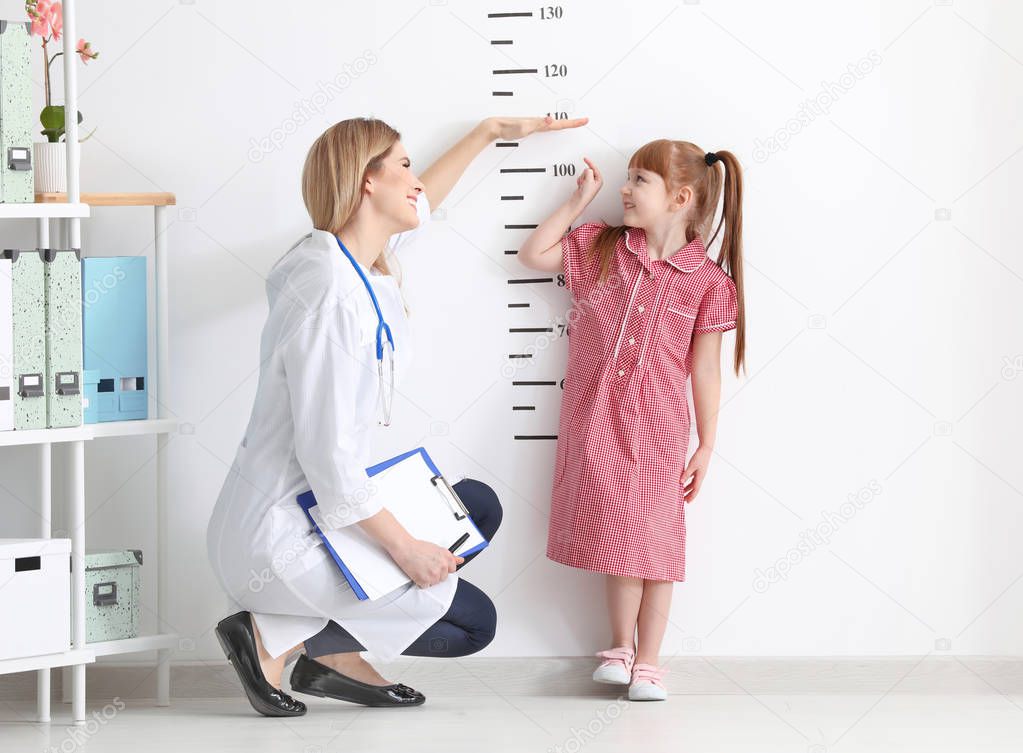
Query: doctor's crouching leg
point(468, 626)
point(484, 508)
point(332, 666)
point(470, 622)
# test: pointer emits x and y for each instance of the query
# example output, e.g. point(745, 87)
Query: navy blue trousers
point(470, 622)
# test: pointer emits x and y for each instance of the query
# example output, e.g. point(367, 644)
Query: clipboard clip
point(449, 497)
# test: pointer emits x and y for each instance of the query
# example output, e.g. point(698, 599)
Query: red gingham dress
point(616, 501)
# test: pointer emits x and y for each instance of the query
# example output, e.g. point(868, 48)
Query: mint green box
point(112, 584)
point(29, 330)
point(17, 184)
point(63, 294)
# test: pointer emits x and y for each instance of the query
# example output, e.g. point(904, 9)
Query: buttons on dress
point(621, 373)
point(632, 341)
point(641, 309)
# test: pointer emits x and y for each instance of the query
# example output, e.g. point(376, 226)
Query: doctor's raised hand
point(519, 128)
point(335, 337)
point(440, 177)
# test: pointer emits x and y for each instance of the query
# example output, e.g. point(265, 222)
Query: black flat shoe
point(313, 678)
point(239, 643)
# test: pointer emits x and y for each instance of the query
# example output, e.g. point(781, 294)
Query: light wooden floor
point(536, 705)
point(488, 722)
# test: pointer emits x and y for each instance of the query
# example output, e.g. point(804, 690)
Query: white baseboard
point(570, 676)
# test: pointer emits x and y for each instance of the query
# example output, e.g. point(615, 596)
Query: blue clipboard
point(306, 501)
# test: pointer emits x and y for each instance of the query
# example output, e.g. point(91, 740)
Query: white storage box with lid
point(35, 612)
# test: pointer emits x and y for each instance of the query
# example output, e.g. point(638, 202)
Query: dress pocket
point(368, 332)
point(365, 319)
point(682, 311)
point(677, 330)
point(570, 403)
point(294, 548)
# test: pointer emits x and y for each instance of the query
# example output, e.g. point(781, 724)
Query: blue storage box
point(114, 329)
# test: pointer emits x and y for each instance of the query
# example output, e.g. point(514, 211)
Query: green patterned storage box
point(63, 285)
point(29, 319)
point(16, 182)
point(6, 347)
point(112, 582)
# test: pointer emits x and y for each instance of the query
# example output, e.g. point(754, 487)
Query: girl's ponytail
point(730, 256)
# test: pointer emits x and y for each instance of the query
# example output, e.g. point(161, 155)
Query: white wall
point(877, 331)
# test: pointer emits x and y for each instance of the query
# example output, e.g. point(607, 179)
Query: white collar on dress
point(689, 258)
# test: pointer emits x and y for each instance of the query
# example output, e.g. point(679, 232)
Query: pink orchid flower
point(47, 18)
point(39, 12)
point(84, 50)
point(56, 19)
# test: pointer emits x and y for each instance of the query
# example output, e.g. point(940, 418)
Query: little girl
point(648, 311)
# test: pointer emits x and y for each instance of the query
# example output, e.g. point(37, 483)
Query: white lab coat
point(315, 405)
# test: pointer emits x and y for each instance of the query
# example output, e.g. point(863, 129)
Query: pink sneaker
point(616, 669)
point(647, 683)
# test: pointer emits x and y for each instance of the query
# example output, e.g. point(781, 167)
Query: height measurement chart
point(492, 335)
point(524, 181)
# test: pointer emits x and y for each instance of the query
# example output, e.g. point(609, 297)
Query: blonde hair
point(681, 163)
point(336, 167)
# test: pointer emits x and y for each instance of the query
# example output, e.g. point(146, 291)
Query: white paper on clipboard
point(427, 509)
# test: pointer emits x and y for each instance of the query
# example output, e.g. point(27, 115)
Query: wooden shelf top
point(158, 199)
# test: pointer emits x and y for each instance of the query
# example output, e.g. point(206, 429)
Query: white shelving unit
point(86, 432)
point(43, 211)
point(68, 211)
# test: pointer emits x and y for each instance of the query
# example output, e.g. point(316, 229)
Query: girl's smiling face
point(645, 199)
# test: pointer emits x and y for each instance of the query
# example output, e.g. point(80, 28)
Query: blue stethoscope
point(382, 329)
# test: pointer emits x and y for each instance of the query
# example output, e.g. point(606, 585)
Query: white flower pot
point(49, 164)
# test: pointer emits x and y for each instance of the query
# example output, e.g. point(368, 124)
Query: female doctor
point(335, 340)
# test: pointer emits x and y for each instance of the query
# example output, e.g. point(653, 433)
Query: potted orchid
point(50, 166)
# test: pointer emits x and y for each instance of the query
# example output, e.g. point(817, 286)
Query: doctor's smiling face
point(358, 179)
point(391, 189)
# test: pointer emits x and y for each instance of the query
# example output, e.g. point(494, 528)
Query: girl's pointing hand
point(589, 183)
